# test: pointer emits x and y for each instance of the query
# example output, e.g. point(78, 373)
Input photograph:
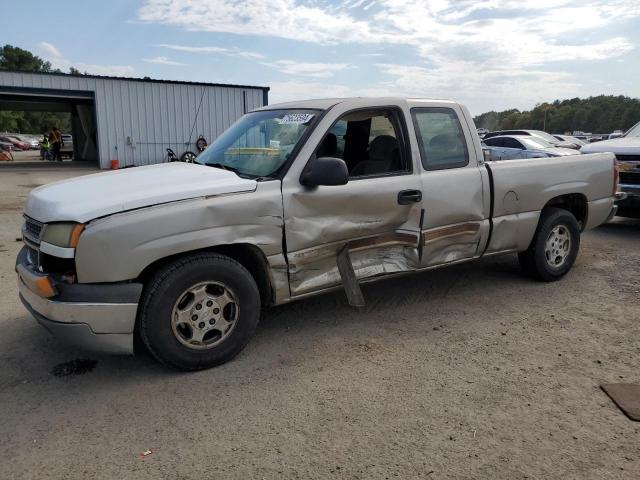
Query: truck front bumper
point(629, 205)
point(96, 317)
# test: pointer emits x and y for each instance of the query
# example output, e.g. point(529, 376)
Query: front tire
point(554, 247)
point(199, 311)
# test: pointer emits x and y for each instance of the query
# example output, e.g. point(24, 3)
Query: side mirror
point(325, 171)
point(486, 154)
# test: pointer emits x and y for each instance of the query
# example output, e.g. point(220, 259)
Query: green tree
point(15, 58)
point(601, 114)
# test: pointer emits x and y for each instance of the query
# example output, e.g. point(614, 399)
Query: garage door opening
point(34, 112)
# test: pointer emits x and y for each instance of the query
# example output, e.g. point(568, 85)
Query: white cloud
point(317, 70)
point(277, 18)
point(496, 51)
point(408, 22)
point(233, 52)
point(52, 54)
point(51, 49)
point(296, 90)
point(516, 87)
point(162, 61)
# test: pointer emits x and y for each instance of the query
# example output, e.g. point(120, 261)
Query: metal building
point(132, 120)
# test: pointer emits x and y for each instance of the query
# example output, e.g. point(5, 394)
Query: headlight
point(62, 234)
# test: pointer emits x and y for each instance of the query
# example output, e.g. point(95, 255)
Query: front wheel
point(199, 311)
point(554, 247)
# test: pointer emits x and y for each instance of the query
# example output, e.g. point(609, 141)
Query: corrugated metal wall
point(155, 115)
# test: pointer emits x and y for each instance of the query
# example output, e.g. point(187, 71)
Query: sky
point(490, 55)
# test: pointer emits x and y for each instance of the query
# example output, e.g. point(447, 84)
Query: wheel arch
point(576, 203)
point(249, 256)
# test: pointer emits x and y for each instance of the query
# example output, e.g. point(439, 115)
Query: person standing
point(56, 144)
point(44, 147)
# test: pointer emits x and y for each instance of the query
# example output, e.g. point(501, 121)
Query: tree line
point(601, 114)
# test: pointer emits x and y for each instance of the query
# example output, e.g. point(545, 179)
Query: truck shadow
point(387, 296)
point(297, 325)
point(621, 226)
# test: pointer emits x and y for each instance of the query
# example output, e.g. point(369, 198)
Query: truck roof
point(324, 103)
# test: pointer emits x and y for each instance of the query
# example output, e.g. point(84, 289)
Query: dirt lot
point(469, 372)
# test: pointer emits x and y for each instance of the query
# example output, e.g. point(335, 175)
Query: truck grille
point(630, 178)
point(628, 158)
point(32, 229)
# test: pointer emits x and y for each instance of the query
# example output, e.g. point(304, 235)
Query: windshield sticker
point(274, 143)
point(295, 118)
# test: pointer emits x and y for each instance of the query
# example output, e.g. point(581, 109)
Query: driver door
point(376, 215)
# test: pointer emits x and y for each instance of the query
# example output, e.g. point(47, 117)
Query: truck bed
point(521, 188)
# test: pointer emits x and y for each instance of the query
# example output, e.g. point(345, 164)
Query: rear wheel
point(554, 247)
point(199, 311)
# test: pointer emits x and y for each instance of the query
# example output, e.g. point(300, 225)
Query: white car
point(547, 137)
point(615, 134)
point(570, 140)
point(509, 147)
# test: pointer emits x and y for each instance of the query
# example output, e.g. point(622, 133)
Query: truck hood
point(84, 198)
point(561, 152)
point(622, 146)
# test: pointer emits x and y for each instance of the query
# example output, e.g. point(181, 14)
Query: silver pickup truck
point(292, 200)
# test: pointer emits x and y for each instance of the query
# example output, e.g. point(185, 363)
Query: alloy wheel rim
point(204, 315)
point(557, 246)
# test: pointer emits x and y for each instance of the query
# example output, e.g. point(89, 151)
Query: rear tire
point(199, 311)
point(554, 247)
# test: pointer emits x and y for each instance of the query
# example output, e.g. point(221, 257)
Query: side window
point(494, 142)
point(368, 141)
point(440, 138)
point(513, 143)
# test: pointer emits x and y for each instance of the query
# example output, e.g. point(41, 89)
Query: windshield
point(259, 143)
point(535, 142)
point(633, 131)
point(545, 136)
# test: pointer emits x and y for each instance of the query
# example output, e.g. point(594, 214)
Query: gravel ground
point(468, 372)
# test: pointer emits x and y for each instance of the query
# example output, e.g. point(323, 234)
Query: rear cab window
point(440, 138)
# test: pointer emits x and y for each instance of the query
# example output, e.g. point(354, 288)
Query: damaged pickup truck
point(292, 200)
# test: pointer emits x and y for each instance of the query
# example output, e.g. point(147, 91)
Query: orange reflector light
point(44, 287)
point(75, 235)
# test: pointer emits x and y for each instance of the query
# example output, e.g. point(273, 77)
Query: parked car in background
point(6, 146)
point(17, 144)
point(509, 147)
point(67, 146)
point(29, 140)
point(183, 256)
point(627, 152)
point(533, 133)
point(615, 134)
point(575, 142)
point(34, 141)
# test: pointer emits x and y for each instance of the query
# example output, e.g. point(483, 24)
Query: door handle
point(405, 197)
